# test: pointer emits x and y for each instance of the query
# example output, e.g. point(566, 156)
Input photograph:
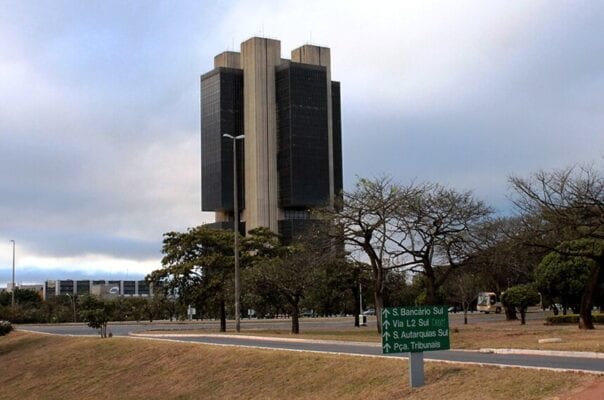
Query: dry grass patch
point(476, 335)
point(53, 367)
point(513, 335)
point(352, 335)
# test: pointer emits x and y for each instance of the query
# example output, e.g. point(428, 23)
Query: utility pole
point(13, 287)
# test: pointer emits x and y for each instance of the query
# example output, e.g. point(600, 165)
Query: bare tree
point(423, 228)
point(564, 212)
point(506, 260)
point(437, 230)
point(366, 221)
point(462, 288)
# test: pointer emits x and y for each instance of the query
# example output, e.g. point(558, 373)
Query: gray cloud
point(99, 111)
point(26, 275)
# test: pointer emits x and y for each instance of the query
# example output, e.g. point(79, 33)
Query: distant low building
point(101, 288)
point(36, 287)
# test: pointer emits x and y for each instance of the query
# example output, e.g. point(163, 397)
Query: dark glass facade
point(226, 225)
point(337, 141)
point(83, 287)
point(129, 288)
point(302, 136)
point(221, 112)
point(291, 229)
point(66, 287)
point(143, 288)
point(50, 288)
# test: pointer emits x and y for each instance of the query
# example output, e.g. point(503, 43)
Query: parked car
point(369, 311)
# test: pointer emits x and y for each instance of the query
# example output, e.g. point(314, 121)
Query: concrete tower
point(289, 113)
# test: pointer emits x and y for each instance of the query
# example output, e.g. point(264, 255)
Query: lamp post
point(236, 231)
point(13, 287)
point(72, 298)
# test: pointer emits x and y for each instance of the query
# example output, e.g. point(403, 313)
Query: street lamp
point(13, 288)
point(72, 298)
point(236, 230)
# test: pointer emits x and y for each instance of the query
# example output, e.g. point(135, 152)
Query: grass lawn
point(475, 335)
point(56, 367)
point(514, 335)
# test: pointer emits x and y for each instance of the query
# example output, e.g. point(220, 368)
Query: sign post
point(415, 330)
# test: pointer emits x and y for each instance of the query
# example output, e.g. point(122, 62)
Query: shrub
point(520, 296)
point(572, 319)
point(5, 327)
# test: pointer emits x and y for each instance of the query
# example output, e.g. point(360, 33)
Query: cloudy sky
point(99, 108)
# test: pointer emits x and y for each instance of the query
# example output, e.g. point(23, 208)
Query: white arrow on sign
point(386, 324)
point(386, 335)
point(387, 347)
point(385, 312)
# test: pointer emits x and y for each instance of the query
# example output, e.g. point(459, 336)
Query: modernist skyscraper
point(290, 159)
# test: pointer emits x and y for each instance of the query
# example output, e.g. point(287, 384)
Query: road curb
point(263, 338)
point(556, 353)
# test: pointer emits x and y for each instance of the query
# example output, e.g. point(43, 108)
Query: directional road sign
point(415, 329)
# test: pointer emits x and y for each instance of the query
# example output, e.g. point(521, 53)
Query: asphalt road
point(368, 349)
point(124, 328)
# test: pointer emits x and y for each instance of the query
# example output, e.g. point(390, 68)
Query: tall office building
point(290, 159)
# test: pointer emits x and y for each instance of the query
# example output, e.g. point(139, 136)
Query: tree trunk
point(430, 285)
point(222, 316)
point(585, 320)
point(465, 313)
point(295, 319)
point(379, 305)
point(378, 290)
point(522, 315)
point(357, 305)
point(510, 313)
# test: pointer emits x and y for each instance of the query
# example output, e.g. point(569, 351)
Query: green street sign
point(415, 329)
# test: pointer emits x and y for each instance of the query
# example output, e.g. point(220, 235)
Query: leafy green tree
point(520, 297)
point(25, 297)
point(564, 212)
point(561, 279)
point(198, 268)
point(27, 309)
point(96, 313)
point(288, 271)
point(135, 308)
point(398, 291)
point(335, 289)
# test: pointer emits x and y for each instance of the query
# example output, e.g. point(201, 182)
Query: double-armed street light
point(236, 230)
